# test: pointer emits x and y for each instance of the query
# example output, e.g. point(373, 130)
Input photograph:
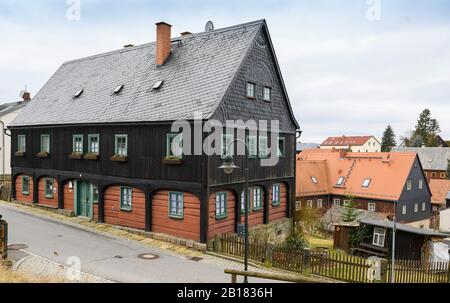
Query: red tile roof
point(346, 141)
point(440, 190)
point(388, 173)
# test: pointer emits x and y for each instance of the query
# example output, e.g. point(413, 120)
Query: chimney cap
point(163, 23)
point(128, 45)
point(186, 33)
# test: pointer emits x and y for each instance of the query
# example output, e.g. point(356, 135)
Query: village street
point(108, 257)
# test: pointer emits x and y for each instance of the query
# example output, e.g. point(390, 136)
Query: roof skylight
point(158, 85)
point(340, 182)
point(366, 183)
point(314, 180)
point(78, 93)
point(119, 89)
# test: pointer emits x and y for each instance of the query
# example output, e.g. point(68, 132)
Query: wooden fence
point(414, 271)
point(340, 266)
point(330, 264)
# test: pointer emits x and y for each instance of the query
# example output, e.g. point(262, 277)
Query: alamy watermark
point(73, 12)
point(373, 10)
point(235, 137)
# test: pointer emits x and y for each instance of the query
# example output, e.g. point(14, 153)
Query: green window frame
point(276, 199)
point(243, 199)
point(281, 151)
point(252, 143)
point(227, 148)
point(25, 185)
point(45, 143)
point(174, 149)
point(94, 144)
point(263, 147)
point(21, 143)
point(121, 145)
point(176, 205)
point(221, 205)
point(48, 188)
point(77, 144)
point(257, 198)
point(126, 198)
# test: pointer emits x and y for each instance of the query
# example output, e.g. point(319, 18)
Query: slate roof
point(196, 78)
point(432, 158)
point(403, 227)
point(7, 108)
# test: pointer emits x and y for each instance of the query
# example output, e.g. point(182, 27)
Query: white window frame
point(309, 204)
point(404, 210)
point(424, 206)
point(337, 202)
point(340, 181)
point(263, 146)
point(22, 140)
point(372, 207)
point(416, 207)
point(267, 94)
point(257, 199)
point(421, 184)
point(366, 183)
point(319, 203)
point(252, 142)
point(251, 90)
point(126, 198)
point(409, 185)
point(176, 205)
point(276, 195)
point(45, 148)
point(379, 237)
point(314, 180)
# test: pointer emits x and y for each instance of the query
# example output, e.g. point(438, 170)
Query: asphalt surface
point(107, 257)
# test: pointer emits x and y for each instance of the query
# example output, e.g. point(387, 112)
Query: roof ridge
point(128, 49)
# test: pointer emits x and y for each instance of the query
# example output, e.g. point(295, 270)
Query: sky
point(350, 67)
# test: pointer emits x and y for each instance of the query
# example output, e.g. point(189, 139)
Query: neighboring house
point(440, 190)
point(441, 142)
point(99, 139)
point(8, 112)
point(377, 182)
point(411, 243)
point(356, 144)
point(434, 160)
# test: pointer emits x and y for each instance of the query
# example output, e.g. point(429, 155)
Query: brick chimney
point(185, 34)
point(163, 42)
point(342, 153)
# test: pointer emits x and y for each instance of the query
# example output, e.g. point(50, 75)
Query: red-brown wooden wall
point(19, 195)
point(50, 202)
point(115, 216)
point(226, 225)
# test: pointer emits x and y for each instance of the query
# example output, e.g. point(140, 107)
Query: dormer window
point(78, 93)
point(366, 183)
point(251, 92)
point(314, 180)
point(340, 182)
point(118, 89)
point(267, 94)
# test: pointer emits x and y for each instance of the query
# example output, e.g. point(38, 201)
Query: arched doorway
point(86, 194)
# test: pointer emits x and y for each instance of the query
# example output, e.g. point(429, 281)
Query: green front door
point(84, 200)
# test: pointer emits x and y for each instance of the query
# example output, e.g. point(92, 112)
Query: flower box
point(172, 161)
point(76, 156)
point(19, 154)
point(118, 158)
point(91, 157)
point(43, 155)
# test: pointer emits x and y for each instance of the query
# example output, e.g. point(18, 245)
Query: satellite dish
point(209, 26)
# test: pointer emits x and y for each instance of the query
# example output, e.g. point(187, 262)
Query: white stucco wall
point(444, 225)
point(371, 146)
point(7, 119)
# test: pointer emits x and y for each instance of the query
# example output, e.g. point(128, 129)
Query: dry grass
point(8, 276)
point(316, 241)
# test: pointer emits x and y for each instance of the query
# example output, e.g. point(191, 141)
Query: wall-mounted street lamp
point(228, 167)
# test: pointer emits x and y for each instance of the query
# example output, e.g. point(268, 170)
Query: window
point(281, 147)
point(94, 194)
point(263, 148)
point(21, 143)
point(309, 204)
point(424, 206)
point(337, 202)
point(48, 188)
point(78, 93)
point(420, 184)
point(379, 235)
point(347, 203)
point(314, 180)
point(443, 175)
point(94, 144)
point(26, 185)
point(221, 205)
point(340, 182)
point(366, 183)
point(267, 94)
point(276, 195)
point(416, 207)
point(251, 93)
point(121, 145)
point(227, 146)
point(77, 144)
point(372, 207)
point(243, 199)
point(118, 89)
point(126, 198)
point(319, 203)
point(257, 198)
point(176, 205)
point(408, 185)
point(433, 175)
point(45, 143)
point(252, 142)
point(174, 146)
point(404, 210)
point(426, 174)
point(298, 205)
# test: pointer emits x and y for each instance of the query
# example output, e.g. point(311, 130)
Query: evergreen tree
point(388, 141)
point(349, 212)
point(427, 129)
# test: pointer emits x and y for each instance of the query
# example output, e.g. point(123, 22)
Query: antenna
point(209, 26)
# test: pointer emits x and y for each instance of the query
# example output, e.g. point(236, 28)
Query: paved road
point(107, 257)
